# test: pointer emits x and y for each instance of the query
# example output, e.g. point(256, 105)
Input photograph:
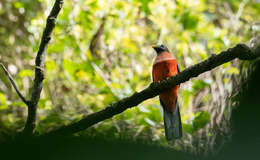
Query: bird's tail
point(172, 124)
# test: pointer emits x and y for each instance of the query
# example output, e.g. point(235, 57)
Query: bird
point(165, 66)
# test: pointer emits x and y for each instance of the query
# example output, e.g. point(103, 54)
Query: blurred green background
point(101, 52)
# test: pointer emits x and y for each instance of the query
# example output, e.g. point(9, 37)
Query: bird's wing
point(178, 68)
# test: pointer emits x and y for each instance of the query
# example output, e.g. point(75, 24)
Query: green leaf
point(44, 103)
point(187, 128)
point(3, 107)
point(50, 65)
point(18, 5)
point(232, 70)
point(201, 120)
point(189, 21)
point(145, 6)
point(73, 68)
point(2, 99)
point(26, 73)
point(199, 84)
point(18, 103)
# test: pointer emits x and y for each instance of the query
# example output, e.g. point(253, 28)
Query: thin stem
point(14, 84)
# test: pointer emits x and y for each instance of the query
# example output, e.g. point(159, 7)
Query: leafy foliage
point(80, 81)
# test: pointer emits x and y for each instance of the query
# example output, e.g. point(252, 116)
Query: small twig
point(14, 84)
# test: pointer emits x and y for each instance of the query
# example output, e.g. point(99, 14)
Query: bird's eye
point(162, 46)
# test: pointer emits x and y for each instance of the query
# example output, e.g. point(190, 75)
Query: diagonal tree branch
point(39, 67)
point(14, 85)
point(240, 51)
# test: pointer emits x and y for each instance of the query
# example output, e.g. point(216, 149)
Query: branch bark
point(240, 51)
point(39, 67)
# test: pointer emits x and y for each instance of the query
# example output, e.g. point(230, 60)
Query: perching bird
point(164, 66)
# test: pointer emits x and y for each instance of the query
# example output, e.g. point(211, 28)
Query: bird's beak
point(154, 46)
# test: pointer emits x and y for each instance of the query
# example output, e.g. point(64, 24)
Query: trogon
point(165, 66)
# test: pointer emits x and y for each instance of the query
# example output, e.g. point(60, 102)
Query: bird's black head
point(160, 48)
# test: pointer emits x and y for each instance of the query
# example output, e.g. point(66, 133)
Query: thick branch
point(14, 84)
point(240, 51)
point(39, 66)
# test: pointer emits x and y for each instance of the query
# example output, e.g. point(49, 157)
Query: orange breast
point(164, 69)
point(161, 71)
